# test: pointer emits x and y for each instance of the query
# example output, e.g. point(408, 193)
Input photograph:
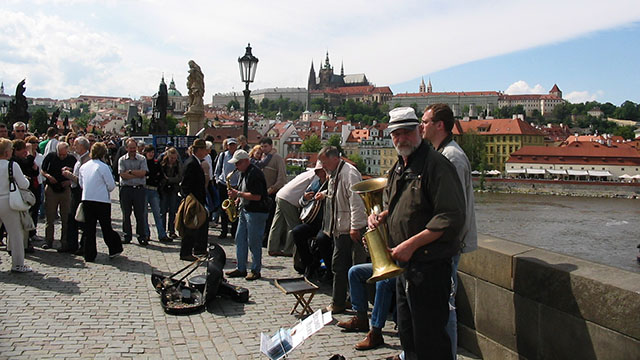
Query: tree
point(628, 111)
point(233, 103)
point(335, 140)
point(474, 147)
point(39, 121)
point(360, 165)
point(311, 144)
point(561, 112)
point(625, 131)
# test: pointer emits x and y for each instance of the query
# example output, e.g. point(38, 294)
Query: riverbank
point(604, 189)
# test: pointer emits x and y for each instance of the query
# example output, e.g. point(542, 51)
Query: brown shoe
point(335, 309)
point(372, 341)
point(355, 324)
point(253, 276)
point(236, 273)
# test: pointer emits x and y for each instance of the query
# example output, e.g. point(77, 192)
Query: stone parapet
point(517, 300)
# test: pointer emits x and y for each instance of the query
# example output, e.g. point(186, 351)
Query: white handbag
point(80, 213)
point(19, 199)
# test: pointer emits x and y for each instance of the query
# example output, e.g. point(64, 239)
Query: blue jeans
point(452, 324)
point(169, 205)
point(358, 275)
point(153, 199)
point(249, 237)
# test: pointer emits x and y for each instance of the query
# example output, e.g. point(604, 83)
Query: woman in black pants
point(97, 182)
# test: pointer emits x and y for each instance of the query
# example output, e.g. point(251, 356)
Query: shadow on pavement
point(40, 281)
point(55, 259)
point(222, 306)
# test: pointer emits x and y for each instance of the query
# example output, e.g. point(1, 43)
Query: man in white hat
point(425, 207)
point(222, 169)
point(253, 205)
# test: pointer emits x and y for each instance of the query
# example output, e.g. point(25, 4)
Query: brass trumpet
point(228, 205)
point(377, 239)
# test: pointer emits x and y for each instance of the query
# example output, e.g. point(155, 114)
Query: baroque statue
point(195, 84)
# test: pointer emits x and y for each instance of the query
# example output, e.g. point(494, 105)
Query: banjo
point(310, 211)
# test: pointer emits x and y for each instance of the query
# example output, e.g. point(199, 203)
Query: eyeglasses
point(18, 130)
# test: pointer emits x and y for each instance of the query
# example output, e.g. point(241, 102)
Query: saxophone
point(228, 205)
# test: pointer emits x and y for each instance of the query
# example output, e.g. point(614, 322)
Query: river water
point(602, 230)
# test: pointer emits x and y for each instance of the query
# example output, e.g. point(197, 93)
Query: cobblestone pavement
point(68, 308)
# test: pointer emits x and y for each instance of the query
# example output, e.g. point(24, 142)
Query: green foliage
point(474, 147)
point(335, 140)
point(320, 104)
point(295, 169)
point(233, 103)
point(172, 122)
point(363, 113)
point(360, 165)
point(627, 111)
point(507, 112)
point(39, 121)
point(311, 144)
point(625, 131)
point(291, 110)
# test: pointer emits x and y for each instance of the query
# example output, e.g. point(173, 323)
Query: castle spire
point(429, 88)
point(2, 88)
point(342, 68)
point(311, 84)
point(422, 86)
point(327, 65)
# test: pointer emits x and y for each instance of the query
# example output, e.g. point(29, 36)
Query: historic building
point(544, 103)
point(337, 89)
point(502, 137)
point(464, 103)
point(577, 161)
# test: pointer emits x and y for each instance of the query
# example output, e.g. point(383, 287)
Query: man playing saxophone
point(253, 206)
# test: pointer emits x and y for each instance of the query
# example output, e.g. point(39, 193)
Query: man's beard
point(405, 148)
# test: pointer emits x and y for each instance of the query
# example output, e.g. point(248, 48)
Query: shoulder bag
point(19, 199)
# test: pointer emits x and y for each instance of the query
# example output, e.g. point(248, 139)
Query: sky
point(65, 48)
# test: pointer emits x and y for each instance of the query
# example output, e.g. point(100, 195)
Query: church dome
point(172, 89)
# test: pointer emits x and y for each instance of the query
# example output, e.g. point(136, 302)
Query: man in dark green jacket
point(425, 211)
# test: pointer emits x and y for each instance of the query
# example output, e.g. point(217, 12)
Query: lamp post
point(248, 64)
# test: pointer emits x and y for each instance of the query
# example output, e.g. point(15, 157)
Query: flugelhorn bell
point(371, 192)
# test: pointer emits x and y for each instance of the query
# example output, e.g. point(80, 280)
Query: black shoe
point(115, 254)
point(166, 239)
point(29, 250)
point(79, 252)
point(236, 273)
point(126, 241)
point(188, 258)
point(67, 250)
point(47, 246)
point(143, 241)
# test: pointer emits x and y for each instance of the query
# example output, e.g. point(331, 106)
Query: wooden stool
point(299, 287)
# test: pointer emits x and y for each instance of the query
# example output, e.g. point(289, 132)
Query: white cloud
point(122, 47)
point(521, 87)
point(576, 97)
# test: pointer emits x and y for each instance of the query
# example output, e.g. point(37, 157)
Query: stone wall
point(570, 188)
point(519, 302)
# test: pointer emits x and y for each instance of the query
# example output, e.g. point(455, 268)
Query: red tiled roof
point(497, 127)
point(454, 93)
point(555, 88)
point(577, 153)
point(354, 90)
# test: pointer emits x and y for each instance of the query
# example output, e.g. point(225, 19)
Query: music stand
point(299, 287)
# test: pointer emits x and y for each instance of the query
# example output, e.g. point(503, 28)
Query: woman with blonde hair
point(255, 155)
point(9, 217)
point(97, 182)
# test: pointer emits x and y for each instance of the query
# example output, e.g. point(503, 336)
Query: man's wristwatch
point(130, 173)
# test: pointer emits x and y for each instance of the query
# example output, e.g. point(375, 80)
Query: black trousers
point(312, 250)
point(224, 219)
point(267, 225)
point(71, 242)
point(195, 240)
point(134, 199)
point(33, 211)
point(99, 212)
point(423, 310)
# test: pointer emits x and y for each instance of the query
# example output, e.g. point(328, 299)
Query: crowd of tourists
point(315, 218)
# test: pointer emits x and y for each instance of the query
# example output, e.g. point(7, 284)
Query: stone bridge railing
point(520, 302)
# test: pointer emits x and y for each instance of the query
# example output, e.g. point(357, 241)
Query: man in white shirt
point(287, 213)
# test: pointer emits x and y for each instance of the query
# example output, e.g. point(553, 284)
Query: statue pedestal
point(195, 120)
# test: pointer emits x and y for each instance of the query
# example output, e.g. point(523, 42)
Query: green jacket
point(425, 193)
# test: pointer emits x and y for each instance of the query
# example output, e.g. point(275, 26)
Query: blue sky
point(65, 48)
point(602, 66)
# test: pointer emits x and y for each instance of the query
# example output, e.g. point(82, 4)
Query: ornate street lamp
point(248, 64)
